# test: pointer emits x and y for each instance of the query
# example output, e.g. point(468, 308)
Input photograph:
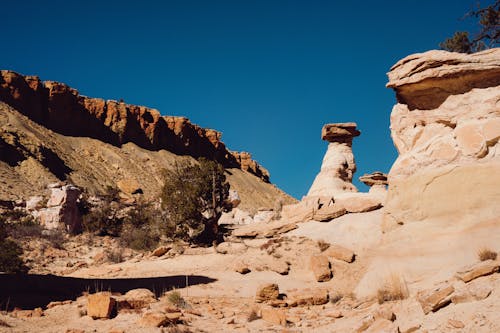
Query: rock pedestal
point(338, 164)
point(378, 184)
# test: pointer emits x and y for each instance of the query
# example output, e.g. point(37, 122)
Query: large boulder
point(100, 305)
point(62, 211)
point(446, 128)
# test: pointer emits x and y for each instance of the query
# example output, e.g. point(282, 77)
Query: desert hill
point(50, 133)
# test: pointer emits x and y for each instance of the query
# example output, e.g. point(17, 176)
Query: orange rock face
point(62, 109)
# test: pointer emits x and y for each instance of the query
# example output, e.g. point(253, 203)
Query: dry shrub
point(323, 245)
point(393, 289)
point(253, 315)
point(486, 254)
point(115, 256)
point(175, 298)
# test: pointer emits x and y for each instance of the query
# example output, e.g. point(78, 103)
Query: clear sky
point(268, 74)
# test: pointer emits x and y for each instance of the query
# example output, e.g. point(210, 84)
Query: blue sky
point(268, 74)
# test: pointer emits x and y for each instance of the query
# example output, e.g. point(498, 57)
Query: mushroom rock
point(338, 167)
point(377, 181)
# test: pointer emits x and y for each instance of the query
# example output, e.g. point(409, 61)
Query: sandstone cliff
point(50, 133)
point(63, 110)
point(446, 127)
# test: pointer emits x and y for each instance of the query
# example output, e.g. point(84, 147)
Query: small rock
point(480, 269)
point(231, 248)
point(382, 325)
point(241, 268)
point(153, 319)
point(436, 298)
point(340, 253)
point(159, 251)
point(267, 292)
point(321, 268)
point(100, 305)
point(274, 316)
point(456, 323)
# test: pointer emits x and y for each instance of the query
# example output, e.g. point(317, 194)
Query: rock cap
point(374, 178)
point(339, 131)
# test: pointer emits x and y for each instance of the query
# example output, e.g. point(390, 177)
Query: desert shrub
point(55, 238)
point(139, 238)
point(393, 289)
point(486, 254)
point(323, 246)
point(142, 227)
point(103, 219)
point(10, 253)
point(175, 298)
point(115, 256)
point(194, 197)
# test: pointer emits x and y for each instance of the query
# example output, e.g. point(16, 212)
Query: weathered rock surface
point(338, 164)
point(446, 128)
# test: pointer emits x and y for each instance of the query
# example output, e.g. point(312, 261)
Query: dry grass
point(323, 246)
point(393, 289)
point(486, 254)
point(175, 298)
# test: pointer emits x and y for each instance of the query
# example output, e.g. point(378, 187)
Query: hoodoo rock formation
point(63, 110)
point(446, 127)
point(378, 184)
point(338, 164)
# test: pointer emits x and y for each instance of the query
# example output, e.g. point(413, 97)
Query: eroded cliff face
point(63, 110)
point(446, 128)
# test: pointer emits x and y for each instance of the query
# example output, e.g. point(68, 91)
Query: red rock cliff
point(62, 109)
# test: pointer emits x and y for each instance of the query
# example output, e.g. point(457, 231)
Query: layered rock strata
point(378, 184)
point(63, 110)
point(338, 167)
point(446, 128)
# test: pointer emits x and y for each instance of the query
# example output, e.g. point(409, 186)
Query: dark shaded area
point(31, 291)
point(429, 94)
point(52, 162)
point(10, 154)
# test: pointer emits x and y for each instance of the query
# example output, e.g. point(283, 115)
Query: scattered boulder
point(435, 298)
point(476, 270)
point(159, 251)
point(267, 292)
point(242, 268)
point(339, 252)
point(154, 319)
point(274, 316)
point(309, 297)
point(320, 266)
point(100, 305)
point(382, 325)
point(136, 299)
point(231, 248)
point(474, 291)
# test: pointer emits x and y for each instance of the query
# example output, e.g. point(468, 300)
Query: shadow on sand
point(32, 290)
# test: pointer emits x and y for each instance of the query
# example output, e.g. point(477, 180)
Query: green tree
point(194, 197)
point(487, 37)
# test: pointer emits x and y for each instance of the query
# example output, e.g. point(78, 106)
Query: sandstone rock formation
point(446, 128)
point(338, 164)
point(62, 211)
point(63, 110)
point(378, 184)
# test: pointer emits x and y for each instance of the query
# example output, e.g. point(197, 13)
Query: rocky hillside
point(49, 132)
